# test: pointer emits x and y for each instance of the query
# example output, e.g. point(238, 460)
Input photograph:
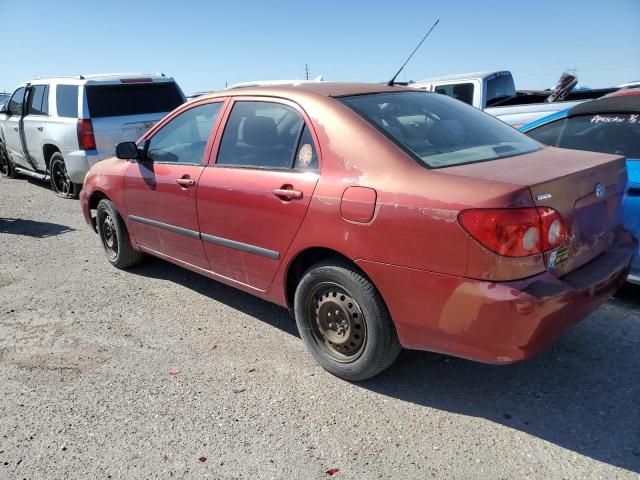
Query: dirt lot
point(158, 372)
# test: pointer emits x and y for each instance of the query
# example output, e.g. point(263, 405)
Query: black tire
point(60, 181)
point(115, 237)
point(360, 340)
point(7, 170)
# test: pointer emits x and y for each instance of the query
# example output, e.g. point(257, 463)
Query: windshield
point(500, 87)
point(137, 99)
point(439, 131)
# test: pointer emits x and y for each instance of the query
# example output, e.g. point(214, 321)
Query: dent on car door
point(12, 127)
point(160, 191)
point(253, 199)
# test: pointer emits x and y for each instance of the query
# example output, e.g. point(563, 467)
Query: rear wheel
point(7, 169)
point(114, 236)
point(344, 322)
point(60, 181)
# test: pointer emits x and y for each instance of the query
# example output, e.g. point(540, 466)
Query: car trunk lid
point(586, 188)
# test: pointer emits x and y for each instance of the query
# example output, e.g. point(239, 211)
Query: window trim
point(176, 113)
point(213, 158)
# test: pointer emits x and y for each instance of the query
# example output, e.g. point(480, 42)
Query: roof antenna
point(414, 51)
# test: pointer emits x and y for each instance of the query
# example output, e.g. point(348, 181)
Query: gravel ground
point(158, 372)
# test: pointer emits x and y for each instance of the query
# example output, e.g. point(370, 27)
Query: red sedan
point(382, 217)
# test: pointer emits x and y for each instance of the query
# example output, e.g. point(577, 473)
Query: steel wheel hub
point(339, 321)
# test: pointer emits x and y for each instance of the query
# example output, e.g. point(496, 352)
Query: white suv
point(59, 127)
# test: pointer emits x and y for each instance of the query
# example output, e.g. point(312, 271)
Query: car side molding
point(225, 242)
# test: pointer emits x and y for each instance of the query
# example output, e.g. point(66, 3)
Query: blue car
point(610, 125)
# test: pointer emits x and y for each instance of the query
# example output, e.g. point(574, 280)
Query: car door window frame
point(147, 137)
point(45, 101)
point(24, 91)
point(266, 99)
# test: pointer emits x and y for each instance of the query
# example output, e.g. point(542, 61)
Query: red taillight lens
point(86, 139)
point(553, 229)
point(515, 232)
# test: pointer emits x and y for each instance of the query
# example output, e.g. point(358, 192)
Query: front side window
point(15, 104)
point(185, 137)
point(438, 131)
point(262, 135)
point(459, 91)
point(67, 101)
point(39, 100)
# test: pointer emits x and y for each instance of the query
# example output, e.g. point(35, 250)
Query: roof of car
point(622, 101)
point(328, 89)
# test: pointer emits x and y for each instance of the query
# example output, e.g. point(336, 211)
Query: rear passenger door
point(252, 200)
point(34, 123)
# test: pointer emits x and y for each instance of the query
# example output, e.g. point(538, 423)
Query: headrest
point(446, 133)
point(260, 132)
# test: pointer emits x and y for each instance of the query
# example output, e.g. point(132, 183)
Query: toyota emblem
point(601, 191)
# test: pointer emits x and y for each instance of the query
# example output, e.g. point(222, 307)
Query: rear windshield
point(499, 88)
point(439, 131)
point(119, 100)
point(617, 133)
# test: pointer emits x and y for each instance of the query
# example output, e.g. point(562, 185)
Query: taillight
point(86, 139)
point(553, 229)
point(515, 232)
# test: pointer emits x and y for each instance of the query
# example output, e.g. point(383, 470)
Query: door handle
point(39, 128)
point(15, 128)
point(185, 181)
point(285, 193)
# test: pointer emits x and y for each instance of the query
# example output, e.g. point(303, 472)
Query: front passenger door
point(160, 191)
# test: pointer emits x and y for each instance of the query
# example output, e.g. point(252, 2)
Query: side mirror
point(127, 151)
point(4, 108)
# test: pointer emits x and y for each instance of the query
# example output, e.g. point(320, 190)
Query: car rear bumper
point(79, 162)
point(500, 322)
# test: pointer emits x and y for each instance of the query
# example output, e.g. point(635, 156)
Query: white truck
point(495, 93)
point(56, 128)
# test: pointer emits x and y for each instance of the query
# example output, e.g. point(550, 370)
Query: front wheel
point(114, 236)
point(344, 322)
point(60, 181)
point(7, 169)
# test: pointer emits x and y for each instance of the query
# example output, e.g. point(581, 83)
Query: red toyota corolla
point(383, 217)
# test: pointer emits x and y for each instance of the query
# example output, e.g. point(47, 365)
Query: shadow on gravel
point(234, 298)
point(32, 228)
point(583, 394)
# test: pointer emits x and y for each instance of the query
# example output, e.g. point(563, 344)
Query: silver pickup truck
point(495, 93)
point(57, 128)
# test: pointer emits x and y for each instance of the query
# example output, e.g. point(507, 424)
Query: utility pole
point(306, 71)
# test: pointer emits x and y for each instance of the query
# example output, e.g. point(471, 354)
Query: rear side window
point(184, 138)
point(39, 100)
point(15, 104)
point(260, 134)
point(548, 133)
point(459, 91)
point(135, 99)
point(67, 101)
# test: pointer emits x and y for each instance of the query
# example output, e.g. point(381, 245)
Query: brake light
point(86, 139)
point(515, 232)
point(553, 229)
point(136, 80)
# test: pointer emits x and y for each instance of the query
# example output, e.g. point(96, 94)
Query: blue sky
point(205, 44)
